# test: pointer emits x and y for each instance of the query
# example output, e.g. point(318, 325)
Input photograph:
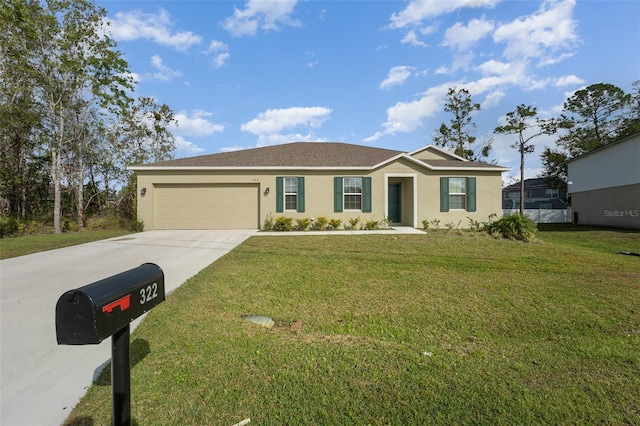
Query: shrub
point(321, 223)
point(514, 227)
point(435, 223)
point(107, 221)
point(449, 226)
point(303, 224)
point(268, 223)
point(283, 223)
point(476, 225)
point(8, 226)
point(335, 223)
point(135, 225)
point(353, 222)
point(425, 224)
point(371, 224)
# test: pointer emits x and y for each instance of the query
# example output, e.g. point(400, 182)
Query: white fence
point(543, 215)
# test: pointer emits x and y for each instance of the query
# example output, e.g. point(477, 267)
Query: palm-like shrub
point(513, 227)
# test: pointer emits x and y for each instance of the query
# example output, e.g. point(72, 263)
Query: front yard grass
point(441, 328)
point(23, 245)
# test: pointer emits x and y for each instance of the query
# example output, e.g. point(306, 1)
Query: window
point(457, 193)
point(352, 193)
point(291, 193)
point(527, 194)
point(551, 193)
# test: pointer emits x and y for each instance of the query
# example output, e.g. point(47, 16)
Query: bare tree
point(520, 122)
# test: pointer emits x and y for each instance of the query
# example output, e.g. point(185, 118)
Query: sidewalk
point(391, 231)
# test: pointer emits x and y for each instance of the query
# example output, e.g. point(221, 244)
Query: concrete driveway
point(41, 381)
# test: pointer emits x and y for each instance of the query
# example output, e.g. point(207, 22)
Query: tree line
point(69, 125)
point(591, 118)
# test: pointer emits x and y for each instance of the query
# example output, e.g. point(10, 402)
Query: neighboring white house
point(604, 185)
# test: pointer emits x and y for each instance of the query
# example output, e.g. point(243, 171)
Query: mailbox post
point(92, 313)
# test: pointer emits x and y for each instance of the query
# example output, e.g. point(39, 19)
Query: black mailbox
point(92, 313)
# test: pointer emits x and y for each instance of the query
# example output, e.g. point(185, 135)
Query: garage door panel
point(220, 206)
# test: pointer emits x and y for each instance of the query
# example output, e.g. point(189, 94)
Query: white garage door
point(219, 206)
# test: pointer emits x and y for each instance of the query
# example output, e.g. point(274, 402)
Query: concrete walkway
point(40, 381)
point(392, 230)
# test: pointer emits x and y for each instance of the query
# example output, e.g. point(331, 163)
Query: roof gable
point(431, 152)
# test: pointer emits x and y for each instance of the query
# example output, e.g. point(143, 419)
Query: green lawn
point(441, 328)
point(20, 246)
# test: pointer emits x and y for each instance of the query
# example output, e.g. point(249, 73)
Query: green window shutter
point(337, 194)
point(300, 194)
point(444, 194)
point(366, 195)
point(471, 194)
point(279, 194)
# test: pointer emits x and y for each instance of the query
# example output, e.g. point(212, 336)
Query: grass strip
point(28, 244)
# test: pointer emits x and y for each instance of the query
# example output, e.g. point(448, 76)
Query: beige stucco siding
point(420, 192)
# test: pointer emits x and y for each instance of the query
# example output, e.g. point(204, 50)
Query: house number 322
point(148, 293)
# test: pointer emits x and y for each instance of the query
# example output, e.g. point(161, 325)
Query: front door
point(395, 212)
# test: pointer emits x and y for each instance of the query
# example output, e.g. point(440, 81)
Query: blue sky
point(244, 74)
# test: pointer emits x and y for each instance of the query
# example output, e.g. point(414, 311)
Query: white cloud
point(185, 148)
point(260, 14)
point(164, 73)
point(196, 124)
point(220, 53)
point(412, 38)
point(420, 10)
point(127, 26)
point(396, 76)
point(493, 98)
point(541, 34)
point(462, 38)
point(276, 120)
point(408, 116)
point(279, 139)
point(271, 126)
point(220, 60)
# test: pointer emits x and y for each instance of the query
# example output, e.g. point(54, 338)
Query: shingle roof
point(297, 154)
point(328, 155)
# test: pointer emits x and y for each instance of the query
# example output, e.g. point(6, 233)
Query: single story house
point(537, 195)
point(604, 185)
point(241, 189)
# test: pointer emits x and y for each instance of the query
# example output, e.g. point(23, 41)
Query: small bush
point(425, 224)
point(108, 221)
point(283, 223)
point(303, 224)
point(268, 223)
point(476, 225)
point(353, 222)
point(8, 226)
point(371, 224)
point(321, 223)
point(435, 223)
point(335, 223)
point(514, 227)
point(135, 225)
